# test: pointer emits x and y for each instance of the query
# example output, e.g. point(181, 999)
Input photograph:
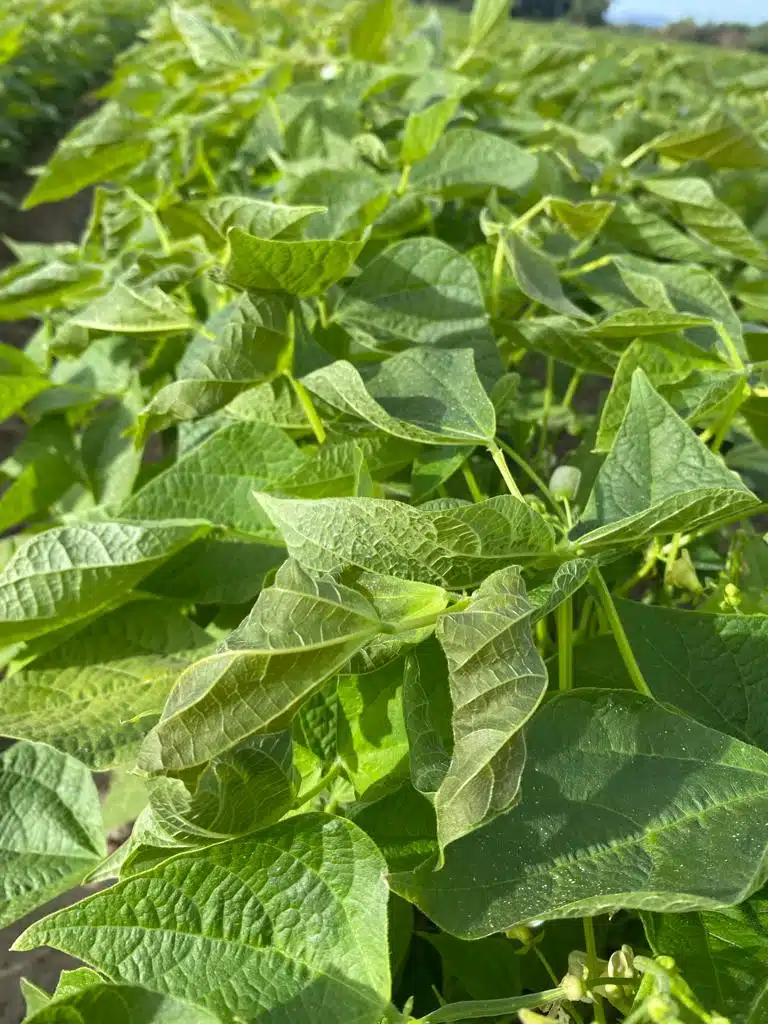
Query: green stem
point(322, 312)
point(564, 622)
point(501, 464)
point(734, 404)
point(589, 938)
point(472, 1009)
point(615, 623)
point(548, 387)
point(471, 482)
point(729, 345)
point(530, 213)
point(309, 409)
point(405, 177)
point(636, 154)
point(532, 475)
point(570, 391)
point(497, 277)
point(333, 772)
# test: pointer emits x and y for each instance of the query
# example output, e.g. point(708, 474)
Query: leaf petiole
point(619, 634)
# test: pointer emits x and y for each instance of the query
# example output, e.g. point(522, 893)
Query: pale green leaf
point(68, 572)
point(301, 631)
point(424, 128)
point(127, 310)
point(119, 1004)
point(228, 940)
point(708, 217)
point(497, 680)
point(250, 344)
point(454, 547)
point(51, 831)
point(208, 44)
point(720, 142)
point(659, 477)
point(469, 161)
point(421, 292)
point(486, 16)
point(428, 395)
point(30, 290)
point(298, 268)
point(97, 694)
point(371, 27)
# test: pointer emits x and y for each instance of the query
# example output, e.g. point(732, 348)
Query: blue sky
point(749, 11)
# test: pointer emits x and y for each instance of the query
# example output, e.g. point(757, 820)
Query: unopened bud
point(660, 1010)
point(522, 933)
point(564, 482)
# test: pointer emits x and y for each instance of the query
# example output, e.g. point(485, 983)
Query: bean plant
point(388, 525)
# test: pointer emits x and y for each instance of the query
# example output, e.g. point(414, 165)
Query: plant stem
point(405, 177)
point(573, 387)
point(734, 403)
point(604, 594)
point(471, 1009)
point(322, 312)
point(471, 482)
point(309, 409)
point(547, 404)
point(564, 621)
point(531, 474)
point(501, 464)
point(589, 938)
point(332, 773)
point(729, 345)
point(497, 276)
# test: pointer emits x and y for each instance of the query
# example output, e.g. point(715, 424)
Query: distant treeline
point(592, 12)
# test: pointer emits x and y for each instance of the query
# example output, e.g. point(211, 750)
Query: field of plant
point(51, 53)
point(388, 521)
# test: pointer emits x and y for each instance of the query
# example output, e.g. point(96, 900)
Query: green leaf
point(641, 323)
point(567, 579)
point(300, 632)
point(486, 16)
point(497, 680)
point(69, 572)
point(42, 482)
point(421, 292)
point(677, 371)
point(455, 548)
point(208, 43)
point(243, 791)
point(536, 276)
point(249, 346)
point(213, 217)
point(20, 381)
point(225, 943)
point(709, 666)
point(127, 310)
point(709, 218)
point(581, 220)
point(432, 396)
point(424, 129)
point(215, 480)
point(31, 290)
point(659, 477)
point(723, 955)
point(467, 161)
point(97, 694)
point(215, 570)
point(720, 142)
point(120, 1004)
point(371, 28)
point(372, 740)
point(51, 832)
point(613, 817)
point(298, 268)
point(560, 338)
point(690, 290)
